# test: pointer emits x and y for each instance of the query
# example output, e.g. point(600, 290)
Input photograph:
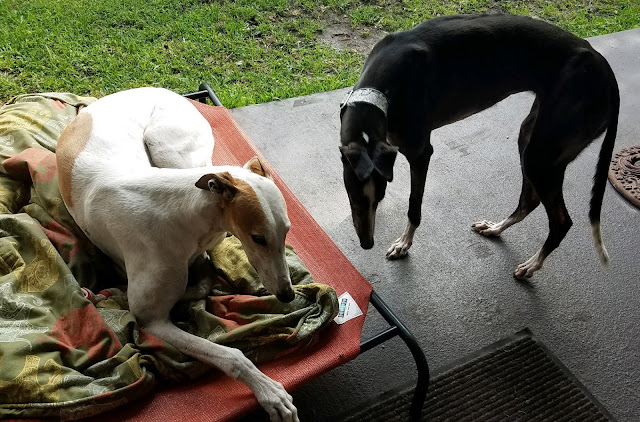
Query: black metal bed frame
point(396, 327)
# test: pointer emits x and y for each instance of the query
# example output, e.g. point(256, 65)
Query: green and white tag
point(348, 309)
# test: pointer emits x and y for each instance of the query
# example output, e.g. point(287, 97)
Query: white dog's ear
point(256, 166)
point(218, 183)
point(359, 160)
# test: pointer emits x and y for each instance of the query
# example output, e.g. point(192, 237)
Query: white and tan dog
point(135, 173)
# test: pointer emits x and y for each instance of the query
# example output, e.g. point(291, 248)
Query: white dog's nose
point(287, 296)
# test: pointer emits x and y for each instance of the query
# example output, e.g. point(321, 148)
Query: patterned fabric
point(66, 352)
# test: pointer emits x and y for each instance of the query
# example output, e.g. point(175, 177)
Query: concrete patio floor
point(456, 291)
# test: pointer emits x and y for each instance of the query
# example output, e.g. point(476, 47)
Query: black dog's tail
point(602, 169)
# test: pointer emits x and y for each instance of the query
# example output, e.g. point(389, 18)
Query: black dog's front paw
point(399, 249)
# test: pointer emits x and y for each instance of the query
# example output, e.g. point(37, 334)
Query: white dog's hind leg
point(178, 136)
point(198, 291)
point(202, 274)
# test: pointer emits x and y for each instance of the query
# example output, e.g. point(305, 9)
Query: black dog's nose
point(366, 244)
point(286, 297)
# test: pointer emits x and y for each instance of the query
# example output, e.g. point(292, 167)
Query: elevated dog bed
point(63, 357)
point(213, 396)
point(216, 397)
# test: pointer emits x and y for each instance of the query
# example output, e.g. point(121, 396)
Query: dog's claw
point(399, 248)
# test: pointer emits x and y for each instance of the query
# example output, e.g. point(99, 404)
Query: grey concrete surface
point(456, 291)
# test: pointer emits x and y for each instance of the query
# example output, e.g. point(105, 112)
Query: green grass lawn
point(250, 51)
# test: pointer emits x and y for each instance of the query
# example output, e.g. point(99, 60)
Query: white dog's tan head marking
point(256, 166)
point(71, 143)
point(254, 211)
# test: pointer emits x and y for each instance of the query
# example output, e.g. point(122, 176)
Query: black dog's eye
point(260, 240)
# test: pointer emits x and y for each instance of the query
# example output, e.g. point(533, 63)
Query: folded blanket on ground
point(68, 348)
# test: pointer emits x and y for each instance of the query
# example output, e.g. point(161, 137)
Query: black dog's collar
point(366, 95)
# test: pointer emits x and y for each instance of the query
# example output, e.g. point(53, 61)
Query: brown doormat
point(624, 173)
point(515, 379)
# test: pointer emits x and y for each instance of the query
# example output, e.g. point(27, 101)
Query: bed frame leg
point(212, 95)
point(422, 385)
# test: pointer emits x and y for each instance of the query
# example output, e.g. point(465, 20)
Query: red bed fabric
point(216, 397)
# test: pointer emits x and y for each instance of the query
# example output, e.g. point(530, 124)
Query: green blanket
point(69, 348)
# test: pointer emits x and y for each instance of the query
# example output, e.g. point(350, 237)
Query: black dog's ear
point(359, 160)
point(384, 156)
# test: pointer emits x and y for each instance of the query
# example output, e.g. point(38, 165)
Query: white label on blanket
point(348, 309)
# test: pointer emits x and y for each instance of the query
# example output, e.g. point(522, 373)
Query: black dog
point(448, 68)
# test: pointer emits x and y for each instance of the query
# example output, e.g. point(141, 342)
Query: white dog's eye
point(260, 240)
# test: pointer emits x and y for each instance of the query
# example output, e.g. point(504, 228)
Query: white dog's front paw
point(399, 248)
point(276, 401)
